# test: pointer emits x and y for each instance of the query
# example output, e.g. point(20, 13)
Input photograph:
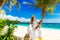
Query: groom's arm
point(39, 24)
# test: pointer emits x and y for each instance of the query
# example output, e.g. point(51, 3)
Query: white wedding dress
point(34, 33)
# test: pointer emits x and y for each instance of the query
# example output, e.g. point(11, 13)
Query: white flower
point(5, 30)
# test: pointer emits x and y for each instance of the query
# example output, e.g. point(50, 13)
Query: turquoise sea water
point(44, 25)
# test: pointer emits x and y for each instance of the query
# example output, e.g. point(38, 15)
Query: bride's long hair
point(32, 19)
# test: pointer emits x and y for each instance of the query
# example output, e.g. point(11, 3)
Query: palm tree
point(45, 5)
point(10, 2)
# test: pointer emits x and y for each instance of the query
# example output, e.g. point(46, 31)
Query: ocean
point(44, 25)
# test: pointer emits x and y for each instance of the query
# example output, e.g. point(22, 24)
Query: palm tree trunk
point(43, 13)
point(43, 16)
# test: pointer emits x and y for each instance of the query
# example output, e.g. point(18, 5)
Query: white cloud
point(22, 19)
point(24, 2)
point(52, 20)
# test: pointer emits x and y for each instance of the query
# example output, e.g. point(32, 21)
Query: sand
point(47, 34)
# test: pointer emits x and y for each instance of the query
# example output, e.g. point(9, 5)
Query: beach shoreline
point(47, 34)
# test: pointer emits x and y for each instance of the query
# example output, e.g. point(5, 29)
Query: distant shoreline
point(42, 23)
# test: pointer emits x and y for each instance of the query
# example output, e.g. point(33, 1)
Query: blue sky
point(27, 11)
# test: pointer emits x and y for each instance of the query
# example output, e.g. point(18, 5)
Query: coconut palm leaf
point(11, 4)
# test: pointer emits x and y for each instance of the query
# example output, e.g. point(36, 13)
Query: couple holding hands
point(34, 29)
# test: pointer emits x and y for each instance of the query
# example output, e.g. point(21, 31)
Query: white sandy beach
point(47, 34)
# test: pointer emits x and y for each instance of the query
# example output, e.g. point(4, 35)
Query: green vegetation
point(11, 27)
point(10, 23)
point(7, 22)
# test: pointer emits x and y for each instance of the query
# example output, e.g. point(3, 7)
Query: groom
point(39, 25)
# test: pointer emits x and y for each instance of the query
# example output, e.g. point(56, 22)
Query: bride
point(34, 29)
